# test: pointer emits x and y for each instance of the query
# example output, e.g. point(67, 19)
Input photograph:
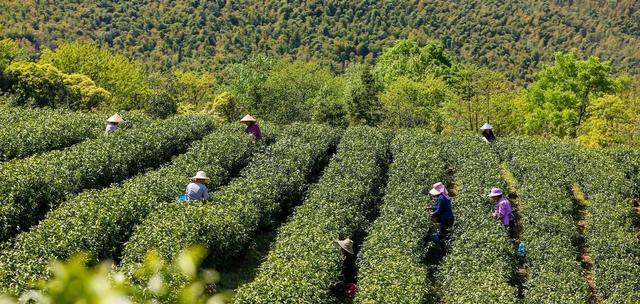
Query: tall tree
point(407, 58)
point(476, 87)
point(126, 80)
point(363, 104)
point(560, 96)
point(612, 122)
point(409, 103)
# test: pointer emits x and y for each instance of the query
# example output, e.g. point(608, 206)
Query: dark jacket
point(442, 209)
point(488, 134)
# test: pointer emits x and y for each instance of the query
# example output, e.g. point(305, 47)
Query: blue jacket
point(442, 209)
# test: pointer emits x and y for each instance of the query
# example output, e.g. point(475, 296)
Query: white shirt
point(197, 191)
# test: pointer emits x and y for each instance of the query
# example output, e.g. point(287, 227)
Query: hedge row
point(555, 275)
point(227, 223)
point(479, 264)
point(628, 160)
point(391, 268)
point(613, 240)
point(304, 262)
point(99, 222)
point(30, 131)
point(31, 187)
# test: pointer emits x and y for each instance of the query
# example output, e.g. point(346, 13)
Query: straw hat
point(115, 118)
point(495, 192)
point(200, 175)
point(248, 118)
point(486, 126)
point(437, 189)
point(346, 244)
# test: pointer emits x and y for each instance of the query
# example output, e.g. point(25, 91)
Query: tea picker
point(442, 212)
point(252, 127)
point(197, 189)
point(349, 286)
point(112, 123)
point(503, 211)
point(487, 132)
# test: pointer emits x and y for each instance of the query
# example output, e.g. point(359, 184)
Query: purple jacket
point(504, 211)
point(255, 130)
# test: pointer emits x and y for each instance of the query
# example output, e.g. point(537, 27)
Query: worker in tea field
point(197, 189)
point(349, 286)
point(252, 127)
point(112, 123)
point(442, 212)
point(504, 212)
point(487, 132)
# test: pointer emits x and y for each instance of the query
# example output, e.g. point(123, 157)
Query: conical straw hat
point(200, 175)
point(247, 118)
point(486, 126)
point(115, 118)
point(346, 244)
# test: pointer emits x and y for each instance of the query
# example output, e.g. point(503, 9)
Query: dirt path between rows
point(520, 274)
point(581, 215)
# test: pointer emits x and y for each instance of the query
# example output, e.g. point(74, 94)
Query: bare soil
point(581, 216)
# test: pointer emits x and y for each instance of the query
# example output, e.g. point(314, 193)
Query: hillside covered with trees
point(514, 37)
point(556, 69)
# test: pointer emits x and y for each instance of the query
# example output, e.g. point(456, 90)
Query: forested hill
point(513, 35)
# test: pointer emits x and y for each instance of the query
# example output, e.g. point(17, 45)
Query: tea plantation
point(278, 206)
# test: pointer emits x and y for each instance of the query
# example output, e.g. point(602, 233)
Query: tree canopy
point(513, 37)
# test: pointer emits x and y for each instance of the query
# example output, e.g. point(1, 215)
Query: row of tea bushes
point(304, 262)
point(628, 160)
point(30, 187)
point(228, 221)
point(99, 222)
point(27, 132)
point(391, 268)
point(479, 264)
point(613, 239)
point(554, 274)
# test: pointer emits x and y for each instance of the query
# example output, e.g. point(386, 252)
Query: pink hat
point(495, 192)
point(439, 188)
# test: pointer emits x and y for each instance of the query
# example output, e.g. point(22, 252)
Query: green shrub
point(40, 85)
point(225, 225)
point(77, 281)
point(31, 187)
point(554, 275)
point(98, 222)
point(478, 265)
point(40, 130)
point(628, 159)
point(390, 267)
point(613, 239)
point(304, 262)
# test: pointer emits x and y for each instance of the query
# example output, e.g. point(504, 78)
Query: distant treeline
point(512, 36)
point(410, 85)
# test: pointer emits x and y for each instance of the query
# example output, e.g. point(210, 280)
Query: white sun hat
point(346, 244)
point(486, 126)
point(247, 118)
point(200, 175)
point(115, 118)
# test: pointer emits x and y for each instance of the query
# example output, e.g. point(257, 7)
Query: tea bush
point(304, 262)
point(31, 187)
point(99, 222)
point(227, 223)
point(554, 274)
point(390, 262)
point(479, 264)
point(613, 239)
point(30, 131)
